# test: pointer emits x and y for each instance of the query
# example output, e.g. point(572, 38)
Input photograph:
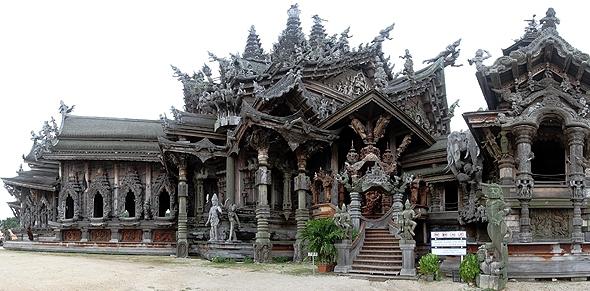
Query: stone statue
point(233, 220)
point(213, 218)
point(479, 58)
point(344, 221)
point(495, 261)
point(407, 221)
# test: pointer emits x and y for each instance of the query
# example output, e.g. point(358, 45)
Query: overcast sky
point(112, 58)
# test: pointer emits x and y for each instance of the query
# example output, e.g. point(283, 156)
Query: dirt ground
point(48, 271)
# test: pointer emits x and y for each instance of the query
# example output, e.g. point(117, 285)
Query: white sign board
point(449, 252)
point(312, 254)
point(448, 243)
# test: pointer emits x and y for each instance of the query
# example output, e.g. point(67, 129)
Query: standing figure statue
point(407, 221)
point(343, 220)
point(233, 220)
point(480, 56)
point(408, 65)
point(213, 218)
point(499, 233)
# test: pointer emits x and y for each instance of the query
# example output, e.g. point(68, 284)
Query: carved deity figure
point(343, 220)
point(450, 55)
point(480, 56)
point(214, 218)
point(549, 21)
point(498, 231)
point(233, 220)
point(408, 64)
point(408, 224)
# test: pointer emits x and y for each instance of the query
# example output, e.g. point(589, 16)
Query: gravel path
point(47, 271)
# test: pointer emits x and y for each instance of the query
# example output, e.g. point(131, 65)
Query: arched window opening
point(130, 203)
point(98, 207)
point(164, 200)
point(548, 164)
point(69, 207)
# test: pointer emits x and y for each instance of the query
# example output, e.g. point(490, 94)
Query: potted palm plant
point(320, 236)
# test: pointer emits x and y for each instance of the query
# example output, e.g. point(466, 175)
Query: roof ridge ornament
point(450, 55)
point(549, 21)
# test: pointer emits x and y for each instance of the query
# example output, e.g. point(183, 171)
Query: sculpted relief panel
point(548, 224)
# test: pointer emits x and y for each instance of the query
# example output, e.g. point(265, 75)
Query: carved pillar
point(230, 183)
point(181, 237)
point(355, 208)
point(200, 194)
point(148, 191)
point(116, 191)
point(287, 206)
point(334, 168)
point(506, 162)
point(575, 138)
point(262, 247)
point(524, 180)
point(301, 186)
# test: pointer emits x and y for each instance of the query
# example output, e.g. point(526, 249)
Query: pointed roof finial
point(253, 48)
point(292, 39)
point(294, 11)
point(318, 32)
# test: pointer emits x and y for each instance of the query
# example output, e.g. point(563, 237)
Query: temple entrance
point(451, 197)
point(549, 142)
point(98, 207)
point(164, 203)
point(130, 203)
point(69, 207)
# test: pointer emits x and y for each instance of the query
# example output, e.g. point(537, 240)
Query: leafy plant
point(248, 260)
point(221, 260)
point(320, 236)
point(469, 268)
point(429, 265)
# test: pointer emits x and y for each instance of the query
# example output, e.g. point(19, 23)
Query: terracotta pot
point(325, 268)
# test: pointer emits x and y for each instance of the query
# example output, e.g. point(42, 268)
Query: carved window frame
point(163, 183)
point(131, 183)
point(102, 187)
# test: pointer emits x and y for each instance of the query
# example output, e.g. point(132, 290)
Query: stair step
point(380, 243)
point(377, 262)
point(388, 257)
point(380, 251)
point(379, 247)
point(382, 273)
point(371, 277)
point(376, 269)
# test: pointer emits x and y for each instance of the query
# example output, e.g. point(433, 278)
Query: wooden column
point(287, 206)
point(263, 246)
point(575, 139)
point(230, 181)
point(301, 186)
point(524, 180)
point(181, 236)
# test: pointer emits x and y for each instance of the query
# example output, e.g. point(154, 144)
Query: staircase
point(380, 256)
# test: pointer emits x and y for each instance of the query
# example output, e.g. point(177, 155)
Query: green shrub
point(429, 265)
point(469, 268)
point(221, 260)
point(248, 260)
point(320, 236)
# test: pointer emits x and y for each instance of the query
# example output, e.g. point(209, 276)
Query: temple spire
point(318, 32)
point(292, 38)
point(253, 48)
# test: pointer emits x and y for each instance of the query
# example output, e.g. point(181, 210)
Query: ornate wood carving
point(71, 235)
point(547, 224)
point(322, 184)
point(72, 189)
point(100, 235)
point(161, 184)
point(100, 185)
point(131, 182)
point(131, 235)
point(164, 235)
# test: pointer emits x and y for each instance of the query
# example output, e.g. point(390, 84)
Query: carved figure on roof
point(450, 55)
point(408, 64)
point(549, 21)
point(64, 109)
point(213, 218)
point(480, 56)
point(532, 26)
point(452, 108)
point(383, 35)
point(380, 79)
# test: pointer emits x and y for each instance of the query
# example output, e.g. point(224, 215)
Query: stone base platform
point(231, 250)
point(121, 248)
